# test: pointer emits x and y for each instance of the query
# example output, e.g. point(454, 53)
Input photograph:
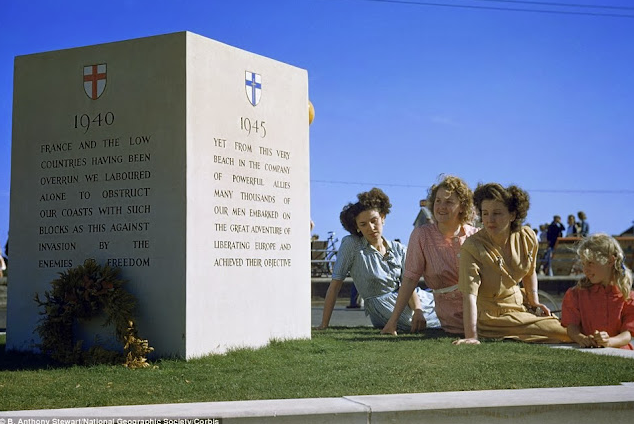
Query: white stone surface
point(609, 351)
point(603, 404)
point(159, 175)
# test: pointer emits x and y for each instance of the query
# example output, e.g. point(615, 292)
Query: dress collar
point(596, 288)
point(461, 231)
point(366, 244)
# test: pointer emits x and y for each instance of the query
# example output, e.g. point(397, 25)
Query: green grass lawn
point(336, 362)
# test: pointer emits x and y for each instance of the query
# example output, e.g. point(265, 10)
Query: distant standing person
point(584, 227)
point(375, 265)
point(433, 251)
point(555, 230)
point(543, 233)
point(573, 227)
point(599, 311)
point(492, 263)
point(424, 215)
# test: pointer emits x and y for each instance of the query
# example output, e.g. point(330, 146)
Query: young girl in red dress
point(599, 311)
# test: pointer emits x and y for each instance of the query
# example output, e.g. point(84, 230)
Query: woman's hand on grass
point(585, 341)
point(389, 329)
point(466, 341)
point(418, 321)
point(601, 338)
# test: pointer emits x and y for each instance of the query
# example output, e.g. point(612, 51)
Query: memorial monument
point(179, 159)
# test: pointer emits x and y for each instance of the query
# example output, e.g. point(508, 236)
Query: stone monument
point(182, 161)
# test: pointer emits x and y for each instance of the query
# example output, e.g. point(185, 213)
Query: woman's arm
point(470, 319)
point(405, 296)
point(418, 319)
point(530, 279)
point(469, 285)
point(343, 265)
point(574, 332)
point(530, 285)
point(602, 339)
point(329, 302)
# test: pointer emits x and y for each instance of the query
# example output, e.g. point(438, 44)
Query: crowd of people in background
point(556, 229)
point(549, 233)
point(481, 282)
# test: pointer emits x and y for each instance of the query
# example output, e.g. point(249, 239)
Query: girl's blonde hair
point(601, 248)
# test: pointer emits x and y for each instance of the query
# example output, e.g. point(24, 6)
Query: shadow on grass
point(364, 334)
point(24, 361)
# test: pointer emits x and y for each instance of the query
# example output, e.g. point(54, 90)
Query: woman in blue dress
point(375, 265)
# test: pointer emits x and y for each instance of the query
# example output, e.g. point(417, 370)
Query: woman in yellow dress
point(492, 264)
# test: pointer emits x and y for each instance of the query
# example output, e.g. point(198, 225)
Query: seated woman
point(433, 252)
point(599, 311)
point(493, 262)
point(375, 265)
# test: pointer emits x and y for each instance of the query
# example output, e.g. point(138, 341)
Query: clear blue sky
point(406, 92)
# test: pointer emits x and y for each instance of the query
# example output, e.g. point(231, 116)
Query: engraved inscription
point(113, 181)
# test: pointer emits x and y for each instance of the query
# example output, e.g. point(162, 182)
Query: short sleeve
point(415, 263)
point(345, 258)
point(469, 277)
point(628, 315)
point(400, 252)
point(532, 246)
point(570, 313)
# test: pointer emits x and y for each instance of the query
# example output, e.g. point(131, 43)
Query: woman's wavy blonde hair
point(601, 248)
point(456, 185)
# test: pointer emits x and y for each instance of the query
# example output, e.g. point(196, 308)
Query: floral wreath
point(81, 293)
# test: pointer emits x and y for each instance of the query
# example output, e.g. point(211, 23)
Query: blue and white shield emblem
point(253, 87)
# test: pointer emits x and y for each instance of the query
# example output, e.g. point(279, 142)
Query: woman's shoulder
point(470, 230)
point(476, 237)
point(425, 228)
point(423, 232)
point(527, 231)
point(476, 243)
point(397, 245)
point(572, 292)
point(628, 303)
point(527, 234)
point(630, 298)
point(350, 241)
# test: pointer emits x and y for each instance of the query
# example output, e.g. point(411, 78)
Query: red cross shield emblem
point(94, 80)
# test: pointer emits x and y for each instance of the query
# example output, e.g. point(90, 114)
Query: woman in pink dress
point(433, 252)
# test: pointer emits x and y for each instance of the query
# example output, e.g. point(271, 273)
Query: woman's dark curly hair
point(514, 198)
point(374, 199)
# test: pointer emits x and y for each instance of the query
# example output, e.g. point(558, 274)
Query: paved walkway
point(341, 316)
